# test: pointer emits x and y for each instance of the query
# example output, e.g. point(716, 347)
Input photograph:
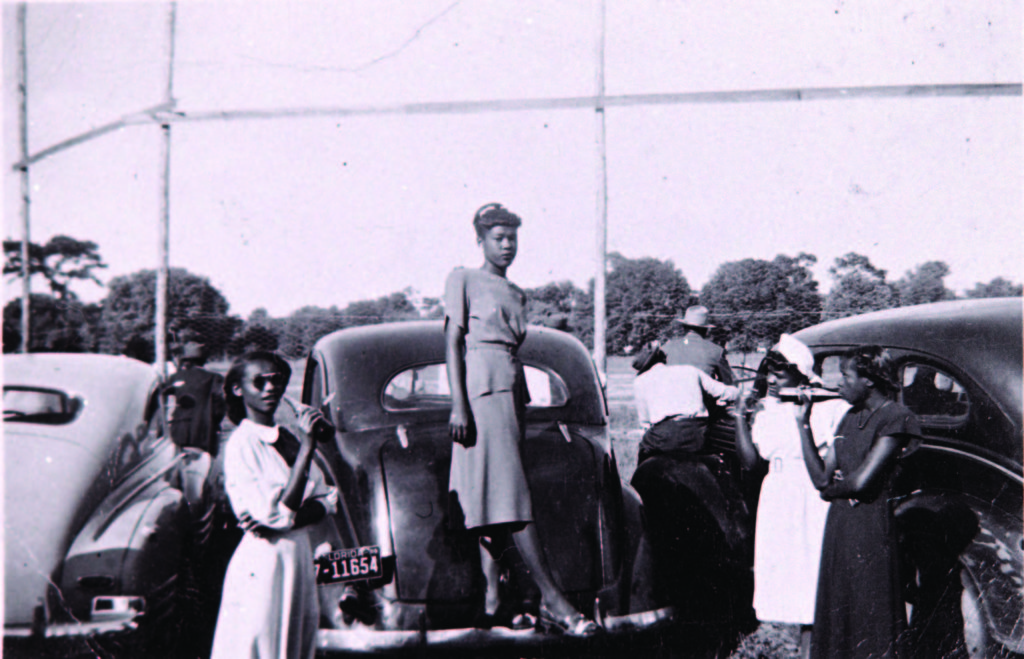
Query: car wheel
point(975, 629)
point(979, 642)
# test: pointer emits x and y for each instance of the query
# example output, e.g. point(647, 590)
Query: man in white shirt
point(670, 402)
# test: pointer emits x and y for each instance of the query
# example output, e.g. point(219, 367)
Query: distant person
point(859, 611)
point(790, 514)
point(695, 519)
point(670, 404)
point(696, 349)
point(198, 401)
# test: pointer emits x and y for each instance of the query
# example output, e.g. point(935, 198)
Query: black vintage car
point(960, 518)
point(960, 364)
point(385, 388)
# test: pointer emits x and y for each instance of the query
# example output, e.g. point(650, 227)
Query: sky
point(285, 212)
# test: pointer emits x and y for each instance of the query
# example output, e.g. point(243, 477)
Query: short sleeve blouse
point(255, 477)
point(489, 308)
point(860, 429)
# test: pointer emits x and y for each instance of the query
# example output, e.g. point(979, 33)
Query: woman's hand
point(249, 525)
point(311, 423)
point(459, 424)
point(802, 412)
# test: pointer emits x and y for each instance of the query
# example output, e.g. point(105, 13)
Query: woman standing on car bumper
point(485, 323)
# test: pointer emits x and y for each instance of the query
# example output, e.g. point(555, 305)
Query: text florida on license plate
point(348, 565)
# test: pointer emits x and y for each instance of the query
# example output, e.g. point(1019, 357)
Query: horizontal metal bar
point(145, 116)
point(163, 114)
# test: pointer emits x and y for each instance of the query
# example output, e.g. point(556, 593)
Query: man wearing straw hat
point(696, 349)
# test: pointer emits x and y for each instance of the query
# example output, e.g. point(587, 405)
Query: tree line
point(752, 302)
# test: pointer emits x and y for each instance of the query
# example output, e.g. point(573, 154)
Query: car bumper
point(72, 629)
point(335, 642)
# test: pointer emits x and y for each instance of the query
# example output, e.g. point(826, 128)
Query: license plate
point(348, 565)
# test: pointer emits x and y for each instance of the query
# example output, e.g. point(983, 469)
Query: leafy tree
point(754, 301)
point(998, 287)
point(305, 326)
point(643, 296)
point(195, 311)
point(56, 325)
point(396, 306)
point(253, 337)
point(924, 284)
point(61, 261)
point(555, 305)
point(859, 287)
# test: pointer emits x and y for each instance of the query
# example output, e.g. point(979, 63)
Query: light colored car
point(96, 521)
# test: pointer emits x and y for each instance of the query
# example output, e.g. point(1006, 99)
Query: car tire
point(977, 639)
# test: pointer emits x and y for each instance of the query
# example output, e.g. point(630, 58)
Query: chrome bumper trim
point(330, 642)
point(76, 629)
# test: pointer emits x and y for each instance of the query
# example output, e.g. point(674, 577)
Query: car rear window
point(35, 405)
point(426, 387)
point(934, 395)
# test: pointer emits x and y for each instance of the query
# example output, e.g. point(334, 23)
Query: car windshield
point(34, 405)
point(426, 387)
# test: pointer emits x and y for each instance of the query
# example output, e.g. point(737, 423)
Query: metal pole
point(600, 313)
point(26, 276)
point(165, 212)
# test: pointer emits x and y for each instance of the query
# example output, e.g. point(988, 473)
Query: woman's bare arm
point(455, 342)
point(820, 473)
point(866, 477)
point(745, 448)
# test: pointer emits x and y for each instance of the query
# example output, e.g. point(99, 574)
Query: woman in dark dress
point(859, 611)
point(485, 323)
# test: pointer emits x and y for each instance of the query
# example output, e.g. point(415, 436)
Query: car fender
point(132, 543)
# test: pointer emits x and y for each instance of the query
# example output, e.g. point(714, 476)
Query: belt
point(500, 347)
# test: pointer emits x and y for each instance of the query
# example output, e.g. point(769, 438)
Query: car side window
point(426, 387)
point(934, 395)
point(37, 405)
point(831, 371)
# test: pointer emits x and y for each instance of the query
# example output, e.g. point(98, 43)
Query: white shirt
point(256, 475)
point(677, 390)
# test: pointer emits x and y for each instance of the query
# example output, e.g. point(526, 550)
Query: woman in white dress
point(790, 512)
point(270, 608)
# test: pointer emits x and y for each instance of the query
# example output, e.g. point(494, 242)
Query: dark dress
point(860, 612)
point(199, 408)
point(487, 483)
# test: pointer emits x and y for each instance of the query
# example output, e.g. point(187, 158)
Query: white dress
point(790, 513)
point(270, 608)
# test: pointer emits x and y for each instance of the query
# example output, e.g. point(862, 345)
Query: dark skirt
point(859, 612)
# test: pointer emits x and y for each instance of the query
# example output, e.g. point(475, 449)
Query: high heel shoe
point(575, 624)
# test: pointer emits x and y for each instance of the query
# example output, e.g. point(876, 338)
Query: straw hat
point(696, 316)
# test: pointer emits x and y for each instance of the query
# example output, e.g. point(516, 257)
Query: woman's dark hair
point(493, 215)
point(876, 364)
point(235, 404)
point(775, 361)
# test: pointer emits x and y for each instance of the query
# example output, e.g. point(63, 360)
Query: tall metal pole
point(165, 211)
point(26, 277)
point(600, 313)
